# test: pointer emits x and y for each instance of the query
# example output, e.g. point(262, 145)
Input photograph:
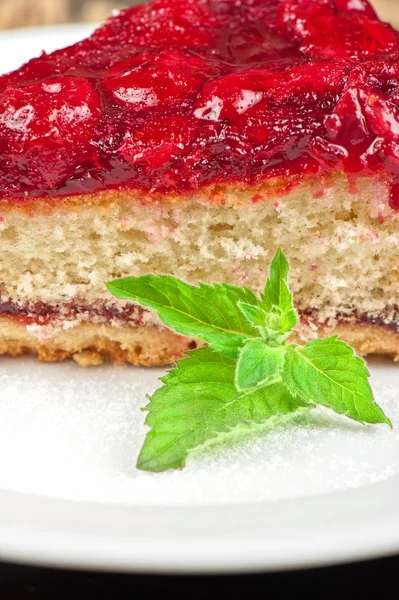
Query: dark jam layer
point(175, 95)
point(40, 313)
point(44, 314)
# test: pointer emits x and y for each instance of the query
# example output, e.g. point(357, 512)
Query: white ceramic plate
point(316, 490)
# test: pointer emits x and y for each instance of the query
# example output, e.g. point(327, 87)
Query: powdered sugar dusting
point(75, 433)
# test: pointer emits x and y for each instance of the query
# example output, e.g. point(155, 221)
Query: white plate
point(316, 490)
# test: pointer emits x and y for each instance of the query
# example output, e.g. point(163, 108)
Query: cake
point(194, 138)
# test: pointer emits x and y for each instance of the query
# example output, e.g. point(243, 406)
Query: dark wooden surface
point(377, 579)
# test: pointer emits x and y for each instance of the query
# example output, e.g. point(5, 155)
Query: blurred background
point(23, 13)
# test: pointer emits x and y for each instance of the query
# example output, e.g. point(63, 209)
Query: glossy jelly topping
point(178, 94)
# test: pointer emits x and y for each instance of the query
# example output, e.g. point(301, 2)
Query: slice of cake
point(193, 138)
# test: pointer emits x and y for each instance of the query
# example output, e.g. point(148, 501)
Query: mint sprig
point(200, 402)
point(258, 363)
point(249, 373)
point(277, 298)
point(207, 312)
point(328, 372)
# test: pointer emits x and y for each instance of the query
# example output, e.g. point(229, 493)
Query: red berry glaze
point(178, 94)
point(161, 79)
point(46, 129)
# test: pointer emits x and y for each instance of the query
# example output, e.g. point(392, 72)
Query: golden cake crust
point(90, 344)
point(233, 195)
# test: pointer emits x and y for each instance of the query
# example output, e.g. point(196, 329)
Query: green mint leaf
point(207, 312)
point(327, 372)
point(276, 291)
point(254, 314)
point(257, 363)
point(277, 297)
point(199, 402)
point(289, 320)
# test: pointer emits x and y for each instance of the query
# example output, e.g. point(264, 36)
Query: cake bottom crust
point(90, 344)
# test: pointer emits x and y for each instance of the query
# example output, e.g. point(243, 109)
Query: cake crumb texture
point(341, 244)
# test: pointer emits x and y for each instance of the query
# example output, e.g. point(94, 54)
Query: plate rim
point(244, 538)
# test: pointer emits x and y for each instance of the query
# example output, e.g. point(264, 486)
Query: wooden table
point(25, 13)
point(388, 10)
